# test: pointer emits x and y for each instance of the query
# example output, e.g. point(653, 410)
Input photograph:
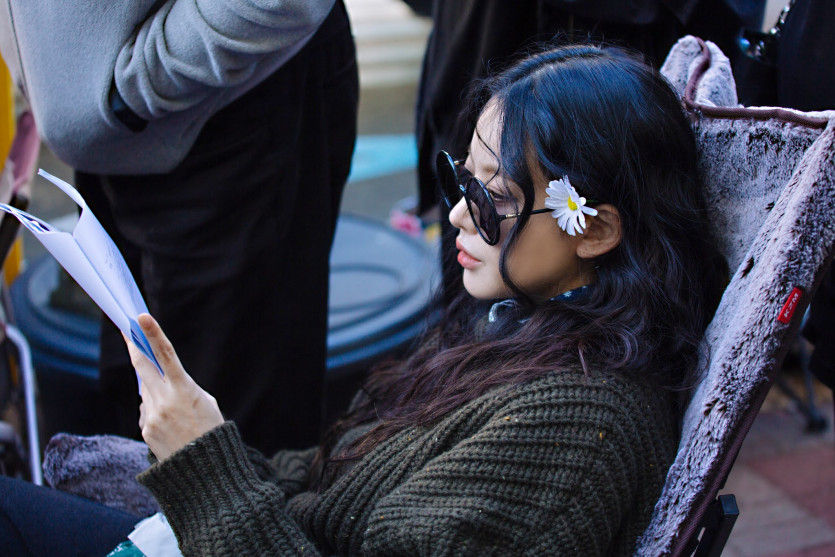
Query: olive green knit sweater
point(563, 465)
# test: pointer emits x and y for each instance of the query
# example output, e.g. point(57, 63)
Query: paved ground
point(784, 483)
point(784, 478)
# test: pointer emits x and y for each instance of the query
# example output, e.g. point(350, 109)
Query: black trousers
point(806, 81)
point(39, 521)
point(473, 39)
point(231, 248)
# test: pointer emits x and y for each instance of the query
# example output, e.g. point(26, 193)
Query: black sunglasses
point(479, 201)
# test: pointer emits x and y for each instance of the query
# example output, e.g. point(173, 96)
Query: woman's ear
point(603, 233)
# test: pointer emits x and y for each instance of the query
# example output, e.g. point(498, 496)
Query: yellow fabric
point(12, 265)
point(7, 122)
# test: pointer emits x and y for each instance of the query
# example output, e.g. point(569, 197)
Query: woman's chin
point(482, 289)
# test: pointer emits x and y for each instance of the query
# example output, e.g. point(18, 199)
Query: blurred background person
point(213, 142)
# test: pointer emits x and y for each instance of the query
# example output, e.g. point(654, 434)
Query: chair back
point(770, 180)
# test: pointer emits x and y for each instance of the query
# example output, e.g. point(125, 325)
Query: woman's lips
point(464, 258)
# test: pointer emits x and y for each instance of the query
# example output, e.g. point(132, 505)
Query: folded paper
point(91, 258)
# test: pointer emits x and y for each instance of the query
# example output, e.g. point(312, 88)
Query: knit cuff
point(192, 483)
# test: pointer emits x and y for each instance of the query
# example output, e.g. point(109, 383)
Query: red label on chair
point(790, 305)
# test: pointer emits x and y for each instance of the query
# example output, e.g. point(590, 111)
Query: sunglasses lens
point(479, 203)
point(448, 179)
point(483, 211)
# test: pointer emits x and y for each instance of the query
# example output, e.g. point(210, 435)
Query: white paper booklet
point(92, 259)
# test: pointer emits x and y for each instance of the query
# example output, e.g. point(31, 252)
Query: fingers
point(147, 372)
point(160, 344)
point(142, 415)
point(162, 347)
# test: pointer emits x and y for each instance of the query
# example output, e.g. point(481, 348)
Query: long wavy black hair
point(615, 127)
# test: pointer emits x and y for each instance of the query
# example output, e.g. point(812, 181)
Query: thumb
point(162, 347)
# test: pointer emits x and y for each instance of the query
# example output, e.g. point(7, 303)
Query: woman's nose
point(459, 216)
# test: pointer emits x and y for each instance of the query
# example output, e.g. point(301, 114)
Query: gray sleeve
point(189, 50)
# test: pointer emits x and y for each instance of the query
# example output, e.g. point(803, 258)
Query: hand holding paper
point(92, 259)
point(175, 410)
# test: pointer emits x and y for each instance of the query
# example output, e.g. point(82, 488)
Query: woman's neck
point(509, 303)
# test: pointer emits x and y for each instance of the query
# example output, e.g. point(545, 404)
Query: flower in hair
point(568, 207)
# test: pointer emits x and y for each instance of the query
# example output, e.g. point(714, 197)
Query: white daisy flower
point(568, 207)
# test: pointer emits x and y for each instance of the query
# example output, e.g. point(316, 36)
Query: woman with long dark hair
point(541, 415)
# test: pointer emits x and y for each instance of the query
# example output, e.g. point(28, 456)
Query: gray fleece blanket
point(102, 468)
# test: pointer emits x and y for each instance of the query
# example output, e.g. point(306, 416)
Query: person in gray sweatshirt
point(213, 140)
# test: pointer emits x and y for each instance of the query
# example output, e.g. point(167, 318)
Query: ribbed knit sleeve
point(289, 468)
point(567, 465)
point(217, 504)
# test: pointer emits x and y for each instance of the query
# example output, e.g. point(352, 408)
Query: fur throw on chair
point(102, 468)
point(771, 197)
